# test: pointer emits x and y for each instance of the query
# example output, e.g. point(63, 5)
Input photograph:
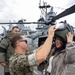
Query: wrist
point(70, 43)
point(50, 36)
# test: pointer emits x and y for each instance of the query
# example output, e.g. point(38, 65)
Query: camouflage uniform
point(6, 50)
point(19, 65)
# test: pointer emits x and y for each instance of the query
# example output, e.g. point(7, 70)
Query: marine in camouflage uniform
point(21, 63)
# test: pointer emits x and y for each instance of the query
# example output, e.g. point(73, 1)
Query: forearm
point(43, 52)
point(40, 54)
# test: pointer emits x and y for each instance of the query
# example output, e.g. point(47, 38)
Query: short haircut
point(14, 39)
point(15, 27)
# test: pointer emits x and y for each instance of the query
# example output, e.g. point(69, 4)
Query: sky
point(14, 10)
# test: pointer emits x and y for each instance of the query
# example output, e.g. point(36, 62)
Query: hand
point(3, 64)
point(52, 57)
point(52, 30)
point(69, 37)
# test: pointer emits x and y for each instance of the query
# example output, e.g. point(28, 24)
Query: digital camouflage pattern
point(18, 65)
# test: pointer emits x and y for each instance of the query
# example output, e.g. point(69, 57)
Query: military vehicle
point(46, 19)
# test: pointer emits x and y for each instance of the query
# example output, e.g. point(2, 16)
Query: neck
point(20, 51)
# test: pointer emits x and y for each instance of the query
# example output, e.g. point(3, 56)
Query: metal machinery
point(47, 18)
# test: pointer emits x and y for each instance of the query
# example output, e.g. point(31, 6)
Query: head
point(60, 38)
point(59, 42)
point(19, 42)
point(15, 30)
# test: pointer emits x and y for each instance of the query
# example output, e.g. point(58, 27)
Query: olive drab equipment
point(6, 50)
point(62, 32)
point(9, 50)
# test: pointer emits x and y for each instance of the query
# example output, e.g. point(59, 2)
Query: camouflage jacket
point(6, 50)
point(18, 65)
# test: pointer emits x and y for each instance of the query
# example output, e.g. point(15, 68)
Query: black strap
point(3, 50)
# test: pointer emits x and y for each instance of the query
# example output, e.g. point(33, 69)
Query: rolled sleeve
point(32, 59)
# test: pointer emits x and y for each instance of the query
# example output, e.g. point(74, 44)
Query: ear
point(17, 43)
